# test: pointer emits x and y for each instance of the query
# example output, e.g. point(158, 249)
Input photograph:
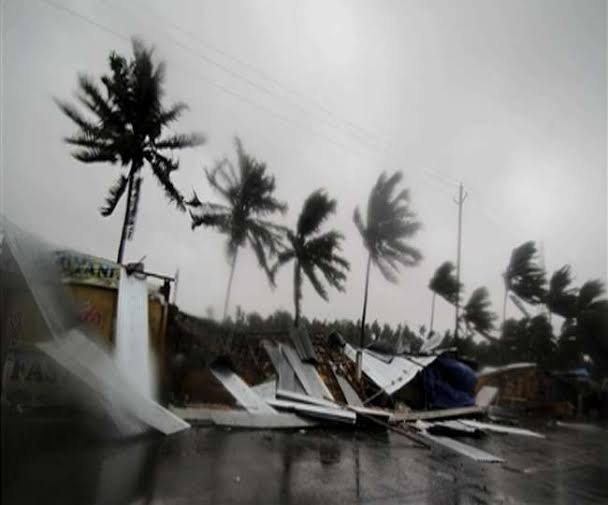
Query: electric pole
point(462, 196)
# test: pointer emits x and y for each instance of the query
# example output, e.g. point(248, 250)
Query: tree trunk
point(504, 307)
point(125, 223)
point(297, 291)
point(432, 312)
point(360, 351)
point(135, 167)
point(232, 266)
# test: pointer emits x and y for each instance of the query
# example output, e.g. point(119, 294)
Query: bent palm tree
point(313, 251)
point(477, 314)
point(126, 126)
point(524, 276)
point(249, 199)
point(390, 221)
point(445, 284)
point(562, 299)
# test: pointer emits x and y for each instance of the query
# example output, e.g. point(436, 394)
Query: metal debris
point(437, 414)
point(77, 354)
point(390, 377)
point(301, 341)
point(266, 389)
point(287, 377)
point(486, 396)
point(316, 411)
point(243, 394)
point(307, 375)
point(501, 428)
point(350, 395)
point(464, 449)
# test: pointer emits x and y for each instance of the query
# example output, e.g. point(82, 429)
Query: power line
point(240, 96)
point(256, 70)
point(367, 135)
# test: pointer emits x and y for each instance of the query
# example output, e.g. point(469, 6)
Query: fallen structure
point(95, 380)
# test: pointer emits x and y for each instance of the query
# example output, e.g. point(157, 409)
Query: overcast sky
point(508, 97)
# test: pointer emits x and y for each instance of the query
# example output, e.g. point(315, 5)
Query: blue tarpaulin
point(448, 383)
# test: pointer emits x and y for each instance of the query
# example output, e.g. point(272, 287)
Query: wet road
point(216, 466)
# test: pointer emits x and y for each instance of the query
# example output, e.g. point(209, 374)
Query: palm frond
point(211, 217)
point(589, 292)
point(477, 313)
point(180, 141)
point(524, 276)
point(283, 258)
point(444, 282)
point(95, 155)
point(162, 168)
point(92, 98)
point(83, 123)
point(561, 299)
point(115, 193)
point(317, 209)
point(260, 249)
point(309, 271)
point(173, 113)
point(390, 222)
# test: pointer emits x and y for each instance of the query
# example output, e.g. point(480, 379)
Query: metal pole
point(461, 198)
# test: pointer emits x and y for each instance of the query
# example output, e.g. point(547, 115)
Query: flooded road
point(217, 466)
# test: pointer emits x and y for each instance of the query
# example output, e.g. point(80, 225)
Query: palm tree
point(444, 284)
point(390, 221)
point(126, 124)
point(524, 277)
point(249, 200)
point(477, 314)
point(313, 251)
point(561, 298)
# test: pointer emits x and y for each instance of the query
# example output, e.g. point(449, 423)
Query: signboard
point(80, 268)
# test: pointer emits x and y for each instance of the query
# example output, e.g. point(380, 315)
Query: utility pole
point(462, 196)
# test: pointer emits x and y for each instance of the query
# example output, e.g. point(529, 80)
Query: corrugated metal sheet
point(301, 341)
point(450, 425)
point(266, 389)
point(390, 377)
point(287, 377)
point(303, 398)
point(351, 396)
point(260, 421)
point(307, 375)
point(486, 395)
point(241, 419)
point(243, 394)
point(316, 411)
point(466, 450)
point(76, 353)
point(131, 349)
point(500, 428)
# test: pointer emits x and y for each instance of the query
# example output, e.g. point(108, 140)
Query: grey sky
point(507, 96)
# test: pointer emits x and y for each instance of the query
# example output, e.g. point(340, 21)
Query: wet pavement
point(218, 466)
